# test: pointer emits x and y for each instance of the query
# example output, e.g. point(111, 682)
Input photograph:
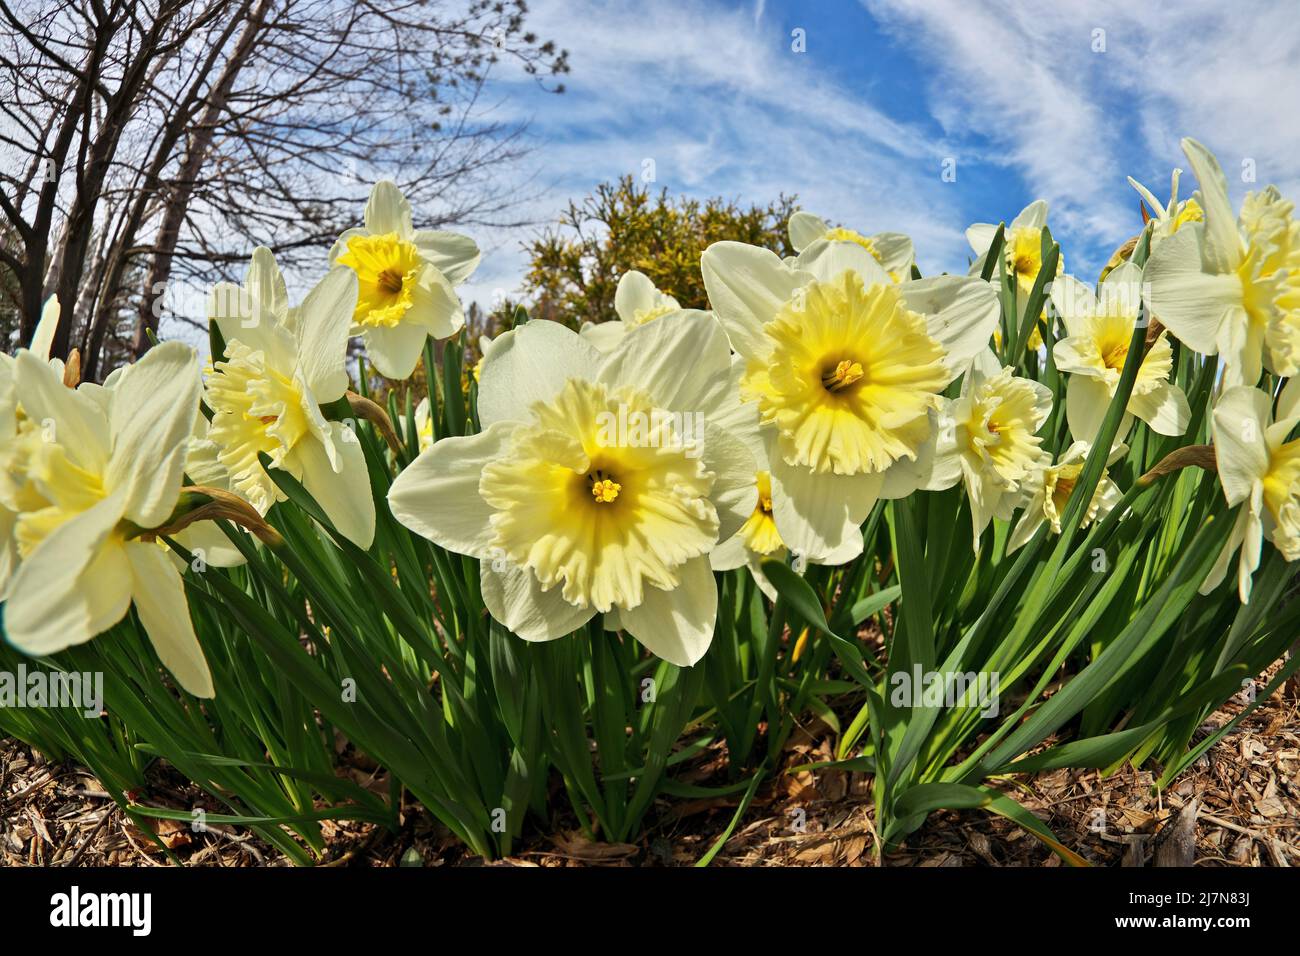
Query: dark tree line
point(146, 146)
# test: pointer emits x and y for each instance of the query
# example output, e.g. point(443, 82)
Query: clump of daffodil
point(1048, 491)
point(599, 484)
point(281, 365)
point(1022, 254)
point(1098, 332)
point(987, 438)
point(1231, 285)
point(86, 473)
point(407, 280)
point(892, 250)
point(1260, 471)
point(844, 368)
point(1022, 249)
point(636, 302)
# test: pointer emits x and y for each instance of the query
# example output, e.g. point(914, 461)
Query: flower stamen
point(603, 489)
point(846, 373)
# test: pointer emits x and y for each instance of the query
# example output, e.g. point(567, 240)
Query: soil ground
point(1238, 806)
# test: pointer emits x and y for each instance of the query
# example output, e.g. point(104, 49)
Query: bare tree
point(147, 144)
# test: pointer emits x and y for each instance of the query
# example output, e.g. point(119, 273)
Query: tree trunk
point(177, 198)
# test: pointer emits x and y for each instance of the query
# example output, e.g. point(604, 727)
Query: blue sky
point(860, 123)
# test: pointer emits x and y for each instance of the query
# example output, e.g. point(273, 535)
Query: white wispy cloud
point(1073, 111)
point(723, 105)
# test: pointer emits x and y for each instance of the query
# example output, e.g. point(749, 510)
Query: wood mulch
point(1238, 806)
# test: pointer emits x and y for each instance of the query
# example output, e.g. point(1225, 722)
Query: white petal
point(682, 360)
point(747, 286)
point(740, 419)
point(205, 540)
point(456, 256)
point(513, 597)
point(43, 337)
point(980, 236)
point(1033, 216)
point(265, 285)
point(1086, 402)
point(897, 253)
point(1190, 302)
point(756, 571)
point(75, 584)
point(1027, 526)
point(1288, 402)
point(1074, 303)
point(1222, 246)
point(820, 516)
point(70, 417)
point(1164, 409)
point(341, 243)
point(531, 364)
point(805, 229)
point(677, 625)
point(961, 313)
point(388, 211)
point(1252, 542)
point(159, 596)
point(826, 260)
point(326, 321)
point(8, 549)
point(256, 313)
point(151, 413)
point(734, 493)
point(985, 502)
point(343, 495)
point(437, 494)
point(1241, 418)
point(1224, 561)
point(729, 555)
point(1121, 291)
point(1157, 207)
point(604, 336)
point(635, 293)
point(937, 465)
point(395, 350)
point(435, 305)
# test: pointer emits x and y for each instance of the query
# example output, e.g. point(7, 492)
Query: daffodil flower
point(894, 251)
point(424, 424)
point(1168, 219)
point(758, 539)
point(281, 365)
point(1260, 471)
point(407, 278)
point(844, 367)
point(1098, 332)
point(987, 438)
point(1049, 489)
point(1022, 248)
point(11, 417)
point(1231, 285)
point(636, 302)
point(599, 484)
point(88, 470)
